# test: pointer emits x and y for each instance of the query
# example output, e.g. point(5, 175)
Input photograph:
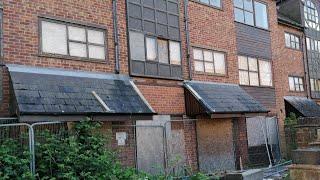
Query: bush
point(83, 153)
point(14, 161)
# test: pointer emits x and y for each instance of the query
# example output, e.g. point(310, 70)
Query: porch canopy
point(302, 106)
point(44, 94)
point(220, 100)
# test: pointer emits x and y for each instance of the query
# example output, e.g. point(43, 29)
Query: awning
point(52, 91)
point(220, 98)
point(303, 106)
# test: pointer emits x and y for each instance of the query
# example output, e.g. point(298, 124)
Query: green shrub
point(14, 161)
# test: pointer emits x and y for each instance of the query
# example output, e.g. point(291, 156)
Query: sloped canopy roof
point(307, 107)
point(53, 91)
point(219, 98)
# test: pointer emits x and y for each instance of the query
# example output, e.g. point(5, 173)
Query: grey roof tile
point(307, 107)
point(65, 94)
point(224, 98)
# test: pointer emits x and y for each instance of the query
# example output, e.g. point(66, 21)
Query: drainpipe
point(186, 21)
point(116, 36)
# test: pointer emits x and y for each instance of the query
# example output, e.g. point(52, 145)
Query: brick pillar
point(240, 141)
point(191, 144)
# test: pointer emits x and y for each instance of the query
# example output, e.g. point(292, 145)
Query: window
point(292, 41)
point(251, 12)
point(296, 84)
point(209, 61)
point(315, 85)
point(311, 15)
point(254, 72)
point(60, 38)
point(157, 50)
point(216, 3)
point(313, 45)
point(154, 38)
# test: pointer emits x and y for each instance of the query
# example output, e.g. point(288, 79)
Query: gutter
point(186, 21)
point(116, 36)
point(306, 66)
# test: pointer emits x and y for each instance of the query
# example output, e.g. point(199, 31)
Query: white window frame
point(298, 84)
point(69, 41)
point(258, 71)
point(213, 62)
point(293, 40)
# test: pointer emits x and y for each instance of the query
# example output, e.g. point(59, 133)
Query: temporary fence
point(177, 147)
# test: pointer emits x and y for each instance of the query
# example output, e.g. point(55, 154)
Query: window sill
point(264, 87)
point(208, 5)
point(63, 57)
point(293, 49)
point(156, 77)
point(210, 74)
point(268, 30)
point(300, 92)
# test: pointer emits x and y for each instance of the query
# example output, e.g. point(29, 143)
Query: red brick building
point(209, 69)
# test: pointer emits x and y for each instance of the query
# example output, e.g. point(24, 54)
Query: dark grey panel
point(224, 98)
point(161, 4)
point(253, 41)
point(135, 23)
point(164, 70)
point(292, 10)
point(137, 67)
point(173, 7)
point(162, 17)
point(148, 2)
point(173, 32)
point(266, 96)
point(173, 20)
point(148, 13)
point(176, 71)
point(151, 69)
point(162, 30)
point(150, 26)
point(135, 11)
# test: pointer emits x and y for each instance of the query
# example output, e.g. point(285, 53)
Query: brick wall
point(287, 62)
point(207, 31)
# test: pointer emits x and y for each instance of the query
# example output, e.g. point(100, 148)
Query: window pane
point(77, 34)
point(243, 62)
point(248, 16)
point(96, 37)
point(54, 38)
point(219, 63)
point(248, 5)
point(312, 84)
point(238, 3)
point(151, 49)
point(287, 39)
point(198, 65)
point(163, 51)
point(265, 73)
point(96, 52)
point(301, 84)
point(291, 84)
point(78, 49)
point(296, 84)
point(261, 15)
point(254, 79)
point(209, 67)
point(216, 3)
point(197, 54)
point(244, 77)
point(308, 44)
point(208, 56)
point(175, 54)
point(253, 64)
point(239, 15)
point(137, 50)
